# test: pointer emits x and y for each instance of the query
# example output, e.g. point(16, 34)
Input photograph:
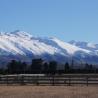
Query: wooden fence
point(41, 79)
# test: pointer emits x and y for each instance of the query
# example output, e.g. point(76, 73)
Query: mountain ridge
point(23, 46)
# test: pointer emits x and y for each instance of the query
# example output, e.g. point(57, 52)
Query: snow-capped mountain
point(85, 45)
point(23, 46)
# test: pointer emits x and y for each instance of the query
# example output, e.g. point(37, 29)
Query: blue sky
point(64, 19)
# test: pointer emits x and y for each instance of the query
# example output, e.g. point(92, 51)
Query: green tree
point(36, 66)
point(52, 67)
point(23, 67)
point(12, 67)
point(88, 68)
point(67, 67)
point(45, 68)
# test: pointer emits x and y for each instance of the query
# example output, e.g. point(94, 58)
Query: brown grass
point(48, 92)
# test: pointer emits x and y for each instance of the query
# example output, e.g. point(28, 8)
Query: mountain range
point(22, 46)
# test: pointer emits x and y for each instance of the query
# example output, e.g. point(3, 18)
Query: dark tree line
point(39, 66)
point(16, 67)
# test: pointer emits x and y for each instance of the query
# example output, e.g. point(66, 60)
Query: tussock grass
point(48, 92)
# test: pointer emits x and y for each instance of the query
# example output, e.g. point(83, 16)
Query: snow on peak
point(16, 33)
point(1, 33)
point(20, 33)
point(71, 49)
point(84, 45)
point(91, 45)
point(20, 42)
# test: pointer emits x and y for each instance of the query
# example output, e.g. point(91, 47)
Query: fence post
point(22, 80)
point(6, 79)
point(65, 80)
point(53, 81)
point(87, 80)
point(69, 84)
point(37, 80)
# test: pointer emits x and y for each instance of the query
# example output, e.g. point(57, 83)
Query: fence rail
point(41, 79)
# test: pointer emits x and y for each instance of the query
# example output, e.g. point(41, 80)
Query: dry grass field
point(48, 92)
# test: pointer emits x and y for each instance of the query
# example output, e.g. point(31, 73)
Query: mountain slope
point(85, 45)
point(23, 46)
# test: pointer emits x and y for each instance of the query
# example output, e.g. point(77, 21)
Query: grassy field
point(48, 92)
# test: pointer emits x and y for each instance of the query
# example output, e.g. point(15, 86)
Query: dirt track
point(48, 92)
